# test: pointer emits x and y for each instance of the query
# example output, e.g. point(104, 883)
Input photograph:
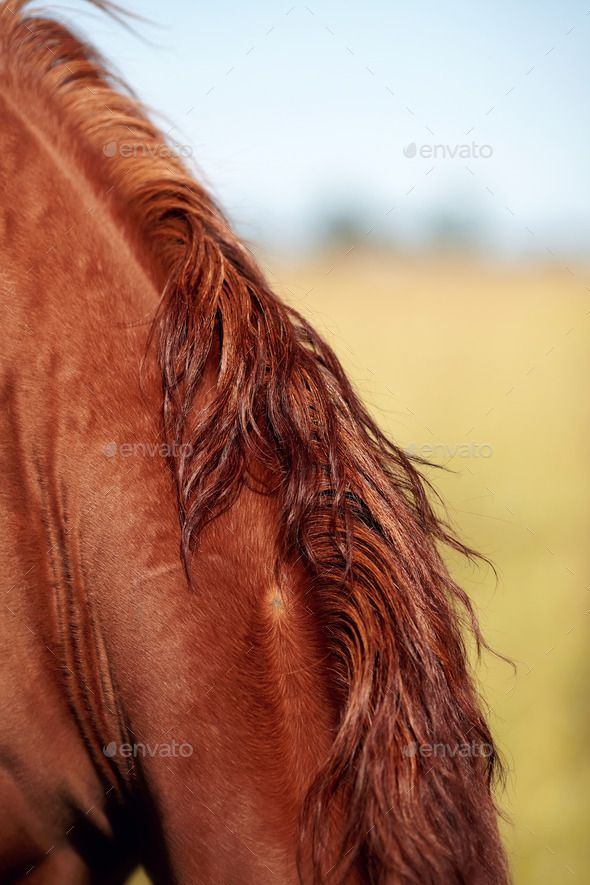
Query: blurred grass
point(449, 351)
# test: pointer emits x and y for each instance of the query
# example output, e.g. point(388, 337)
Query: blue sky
point(295, 113)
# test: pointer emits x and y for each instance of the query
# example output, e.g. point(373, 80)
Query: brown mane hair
point(354, 508)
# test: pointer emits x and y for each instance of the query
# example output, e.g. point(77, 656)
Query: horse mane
point(353, 508)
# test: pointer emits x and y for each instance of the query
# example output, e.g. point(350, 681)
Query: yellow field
point(490, 366)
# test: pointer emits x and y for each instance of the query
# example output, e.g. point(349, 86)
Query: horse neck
point(127, 653)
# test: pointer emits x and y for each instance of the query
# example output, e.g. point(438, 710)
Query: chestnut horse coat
point(226, 617)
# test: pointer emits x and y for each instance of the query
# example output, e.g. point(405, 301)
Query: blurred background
point(414, 177)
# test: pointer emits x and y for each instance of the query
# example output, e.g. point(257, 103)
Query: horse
point(229, 632)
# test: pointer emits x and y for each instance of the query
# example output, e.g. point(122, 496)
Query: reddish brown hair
point(353, 507)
